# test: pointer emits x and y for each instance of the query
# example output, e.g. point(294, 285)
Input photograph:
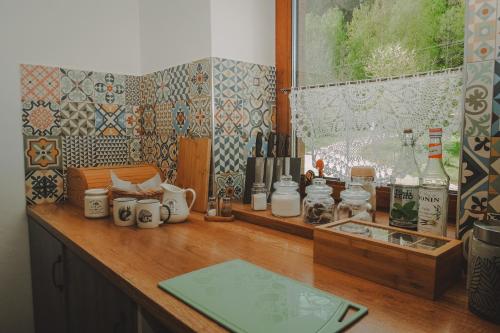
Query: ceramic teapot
point(175, 198)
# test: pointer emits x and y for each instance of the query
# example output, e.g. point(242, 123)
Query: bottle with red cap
point(433, 193)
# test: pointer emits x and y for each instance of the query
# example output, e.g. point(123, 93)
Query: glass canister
point(285, 200)
point(355, 204)
point(366, 177)
point(483, 277)
point(96, 203)
point(259, 196)
point(318, 204)
point(226, 209)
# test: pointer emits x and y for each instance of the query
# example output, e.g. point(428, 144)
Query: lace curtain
point(361, 123)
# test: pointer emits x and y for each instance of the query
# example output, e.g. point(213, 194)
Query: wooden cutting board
point(193, 169)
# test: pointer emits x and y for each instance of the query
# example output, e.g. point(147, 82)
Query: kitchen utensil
point(150, 213)
point(124, 211)
point(175, 199)
point(246, 298)
point(193, 169)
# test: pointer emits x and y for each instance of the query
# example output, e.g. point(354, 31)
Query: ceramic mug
point(150, 213)
point(124, 211)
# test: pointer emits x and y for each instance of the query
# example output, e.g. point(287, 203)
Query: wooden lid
point(361, 171)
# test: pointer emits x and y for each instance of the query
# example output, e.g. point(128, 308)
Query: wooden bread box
point(81, 179)
point(420, 264)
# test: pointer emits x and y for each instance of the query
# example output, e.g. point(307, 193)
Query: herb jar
point(318, 204)
point(285, 200)
point(259, 196)
point(96, 203)
point(355, 204)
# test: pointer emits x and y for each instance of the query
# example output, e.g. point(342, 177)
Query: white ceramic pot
point(175, 198)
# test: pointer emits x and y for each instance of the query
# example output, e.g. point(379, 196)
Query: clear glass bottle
point(318, 204)
point(433, 194)
point(355, 204)
point(259, 196)
point(405, 181)
point(285, 200)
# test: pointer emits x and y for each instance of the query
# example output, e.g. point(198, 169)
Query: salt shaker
point(212, 207)
point(259, 196)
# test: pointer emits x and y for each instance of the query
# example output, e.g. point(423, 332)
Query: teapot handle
point(192, 200)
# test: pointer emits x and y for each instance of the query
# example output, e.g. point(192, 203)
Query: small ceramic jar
point(285, 201)
point(96, 203)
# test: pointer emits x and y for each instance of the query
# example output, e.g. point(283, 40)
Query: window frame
point(284, 54)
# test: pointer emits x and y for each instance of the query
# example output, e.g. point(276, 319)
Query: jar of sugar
point(259, 196)
point(285, 201)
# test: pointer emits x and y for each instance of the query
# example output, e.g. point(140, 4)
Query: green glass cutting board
point(246, 298)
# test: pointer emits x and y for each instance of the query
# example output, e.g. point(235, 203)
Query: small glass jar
point(259, 196)
point(226, 209)
point(285, 200)
point(355, 204)
point(96, 204)
point(366, 177)
point(212, 207)
point(318, 204)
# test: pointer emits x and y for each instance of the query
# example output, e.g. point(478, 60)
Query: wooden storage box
point(81, 179)
point(420, 264)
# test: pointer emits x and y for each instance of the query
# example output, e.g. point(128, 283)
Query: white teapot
point(175, 198)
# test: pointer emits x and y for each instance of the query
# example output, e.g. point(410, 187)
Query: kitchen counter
point(135, 260)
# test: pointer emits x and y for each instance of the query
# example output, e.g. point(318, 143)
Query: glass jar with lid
point(355, 204)
point(318, 204)
point(285, 200)
point(259, 196)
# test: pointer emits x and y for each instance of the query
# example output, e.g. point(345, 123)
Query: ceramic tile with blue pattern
point(226, 79)
point(229, 154)
point(230, 184)
point(231, 118)
point(180, 117)
point(478, 99)
point(199, 78)
point(179, 82)
point(480, 30)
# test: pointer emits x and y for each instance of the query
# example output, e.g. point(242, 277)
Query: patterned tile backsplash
point(76, 118)
point(480, 182)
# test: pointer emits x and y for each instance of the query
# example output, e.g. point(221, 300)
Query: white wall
point(243, 30)
point(89, 34)
point(173, 32)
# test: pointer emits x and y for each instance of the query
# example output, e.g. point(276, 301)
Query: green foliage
point(360, 32)
point(406, 212)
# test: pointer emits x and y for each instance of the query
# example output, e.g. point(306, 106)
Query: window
point(380, 61)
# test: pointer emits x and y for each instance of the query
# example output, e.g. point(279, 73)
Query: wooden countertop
point(137, 259)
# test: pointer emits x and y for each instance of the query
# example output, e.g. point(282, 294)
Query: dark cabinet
point(69, 295)
point(47, 280)
point(95, 305)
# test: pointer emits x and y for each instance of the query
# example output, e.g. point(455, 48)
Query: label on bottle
point(435, 150)
point(432, 210)
point(404, 206)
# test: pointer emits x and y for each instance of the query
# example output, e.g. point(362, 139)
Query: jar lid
point(319, 186)
point(487, 233)
point(286, 182)
point(96, 191)
point(361, 171)
point(355, 192)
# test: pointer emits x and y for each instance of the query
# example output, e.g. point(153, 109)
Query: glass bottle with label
point(405, 180)
point(433, 194)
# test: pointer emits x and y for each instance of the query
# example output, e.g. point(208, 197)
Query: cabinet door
point(94, 304)
point(47, 280)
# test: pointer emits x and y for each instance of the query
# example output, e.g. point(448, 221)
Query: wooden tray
point(420, 264)
point(219, 218)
